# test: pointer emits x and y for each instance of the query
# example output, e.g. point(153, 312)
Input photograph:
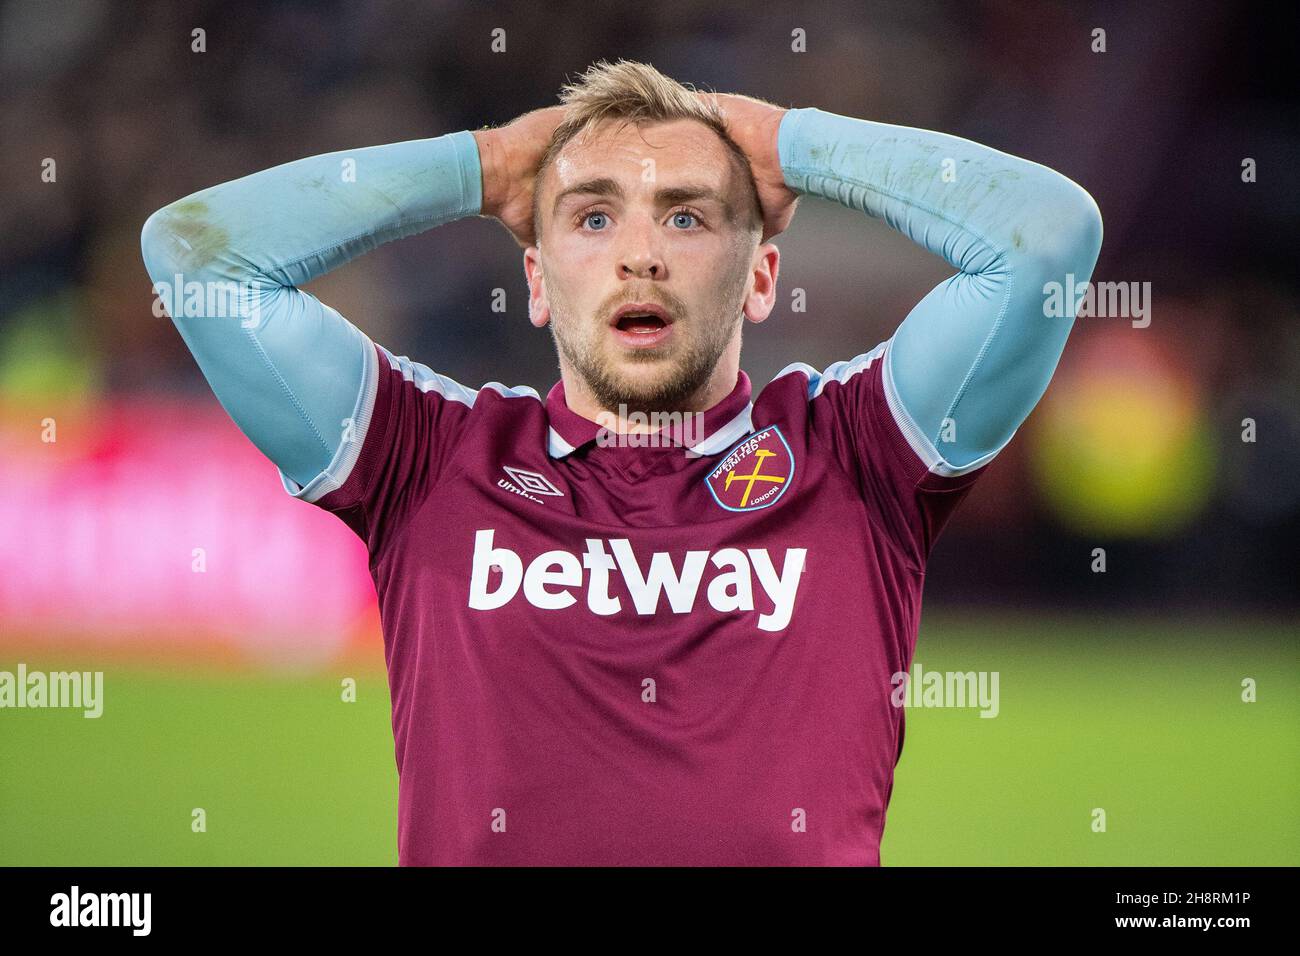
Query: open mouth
point(643, 323)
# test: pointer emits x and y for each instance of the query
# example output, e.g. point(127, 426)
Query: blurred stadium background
point(1120, 690)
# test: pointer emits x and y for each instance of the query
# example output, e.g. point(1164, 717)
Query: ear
point(762, 296)
point(539, 312)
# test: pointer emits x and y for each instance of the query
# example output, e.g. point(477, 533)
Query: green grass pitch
point(1142, 719)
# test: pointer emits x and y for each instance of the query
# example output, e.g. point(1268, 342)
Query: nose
point(641, 267)
point(640, 258)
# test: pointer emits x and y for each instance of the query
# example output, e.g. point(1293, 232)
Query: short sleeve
point(403, 430)
point(910, 490)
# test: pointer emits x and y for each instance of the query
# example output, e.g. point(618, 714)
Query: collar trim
point(723, 424)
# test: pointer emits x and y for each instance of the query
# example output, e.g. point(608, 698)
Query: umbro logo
point(528, 484)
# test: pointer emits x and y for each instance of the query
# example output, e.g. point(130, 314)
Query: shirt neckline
point(712, 433)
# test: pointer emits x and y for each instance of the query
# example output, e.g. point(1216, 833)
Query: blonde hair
point(638, 93)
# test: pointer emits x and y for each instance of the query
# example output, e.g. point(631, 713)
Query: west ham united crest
point(754, 474)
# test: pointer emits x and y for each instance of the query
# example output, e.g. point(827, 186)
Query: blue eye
point(594, 215)
point(685, 215)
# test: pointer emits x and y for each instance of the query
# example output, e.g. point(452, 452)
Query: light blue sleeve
point(970, 361)
point(227, 261)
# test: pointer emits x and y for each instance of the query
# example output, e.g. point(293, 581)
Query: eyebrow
point(665, 195)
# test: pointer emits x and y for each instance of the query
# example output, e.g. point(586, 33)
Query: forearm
point(294, 222)
point(978, 351)
point(291, 371)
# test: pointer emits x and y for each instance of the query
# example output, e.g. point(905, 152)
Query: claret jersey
point(655, 654)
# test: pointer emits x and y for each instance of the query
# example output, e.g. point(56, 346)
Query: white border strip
point(921, 445)
point(345, 457)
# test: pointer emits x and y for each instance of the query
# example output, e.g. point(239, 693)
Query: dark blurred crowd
point(1156, 126)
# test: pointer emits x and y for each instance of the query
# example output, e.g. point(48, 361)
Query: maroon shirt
point(636, 655)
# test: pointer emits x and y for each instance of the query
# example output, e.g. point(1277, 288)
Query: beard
point(685, 366)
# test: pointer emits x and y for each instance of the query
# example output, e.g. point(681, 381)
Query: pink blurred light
point(100, 527)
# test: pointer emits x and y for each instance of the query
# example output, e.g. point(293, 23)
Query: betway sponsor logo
point(552, 577)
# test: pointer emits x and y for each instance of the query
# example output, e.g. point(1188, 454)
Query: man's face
point(655, 216)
